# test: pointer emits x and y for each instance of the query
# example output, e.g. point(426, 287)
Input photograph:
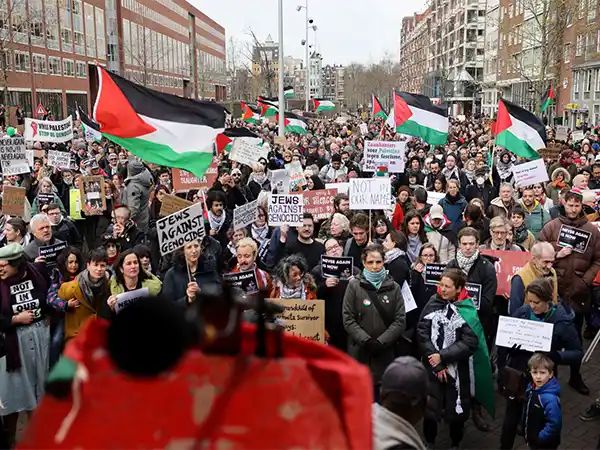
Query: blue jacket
point(542, 415)
point(454, 211)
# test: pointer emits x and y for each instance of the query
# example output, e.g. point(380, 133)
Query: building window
point(90, 32)
point(579, 45)
point(100, 33)
point(592, 11)
point(36, 22)
point(66, 33)
point(39, 63)
point(567, 52)
point(80, 69)
point(21, 61)
point(54, 65)
point(51, 24)
point(68, 67)
point(576, 85)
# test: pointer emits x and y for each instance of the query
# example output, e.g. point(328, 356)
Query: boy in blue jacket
point(542, 415)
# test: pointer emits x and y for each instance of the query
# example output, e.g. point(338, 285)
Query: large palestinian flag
point(519, 131)
point(323, 105)
point(294, 123)
point(377, 110)
point(415, 115)
point(547, 99)
point(250, 114)
point(268, 106)
point(159, 128)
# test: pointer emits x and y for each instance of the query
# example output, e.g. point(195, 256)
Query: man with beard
point(594, 182)
point(434, 170)
point(304, 244)
point(535, 215)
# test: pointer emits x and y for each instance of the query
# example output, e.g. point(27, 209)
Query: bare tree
point(263, 68)
point(238, 72)
point(360, 82)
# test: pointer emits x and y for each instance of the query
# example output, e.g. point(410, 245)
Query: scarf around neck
point(286, 291)
point(393, 254)
point(260, 233)
point(412, 250)
point(375, 278)
point(521, 233)
point(466, 263)
point(88, 286)
point(216, 222)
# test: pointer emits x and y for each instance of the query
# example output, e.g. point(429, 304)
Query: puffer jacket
point(363, 322)
point(542, 415)
point(453, 209)
point(575, 272)
point(136, 195)
point(535, 218)
point(442, 238)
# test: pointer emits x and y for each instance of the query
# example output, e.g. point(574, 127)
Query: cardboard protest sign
point(474, 290)
point(508, 264)
point(60, 160)
point(13, 200)
point(128, 298)
point(50, 252)
point(172, 203)
point(575, 238)
point(48, 130)
point(303, 318)
point(319, 203)
point(433, 273)
point(245, 281)
point(280, 181)
point(337, 266)
point(531, 335)
point(13, 156)
point(286, 209)
point(562, 133)
point(370, 193)
point(296, 174)
point(179, 228)
point(384, 153)
point(93, 194)
point(247, 151)
point(433, 198)
point(531, 172)
point(184, 181)
point(245, 215)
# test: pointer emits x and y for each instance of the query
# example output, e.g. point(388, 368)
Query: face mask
point(480, 180)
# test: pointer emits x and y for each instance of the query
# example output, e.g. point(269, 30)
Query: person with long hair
point(69, 263)
point(421, 291)
point(380, 229)
point(403, 205)
point(413, 228)
point(453, 204)
point(292, 279)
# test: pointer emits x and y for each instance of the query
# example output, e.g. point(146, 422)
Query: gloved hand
point(373, 346)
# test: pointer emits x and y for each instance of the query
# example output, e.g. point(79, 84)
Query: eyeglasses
point(499, 233)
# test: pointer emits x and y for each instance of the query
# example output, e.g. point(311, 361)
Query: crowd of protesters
point(45, 303)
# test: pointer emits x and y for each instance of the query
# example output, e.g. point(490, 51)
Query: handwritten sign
point(245, 215)
point(370, 193)
point(303, 318)
point(531, 172)
point(433, 198)
point(245, 281)
point(508, 264)
point(129, 298)
point(286, 209)
point(60, 160)
point(319, 203)
point(578, 135)
point(179, 228)
point(531, 335)
point(562, 133)
point(575, 238)
point(247, 151)
point(13, 200)
point(384, 153)
point(337, 266)
point(433, 273)
point(171, 204)
point(184, 181)
point(13, 157)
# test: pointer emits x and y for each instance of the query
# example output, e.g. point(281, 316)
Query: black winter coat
point(484, 274)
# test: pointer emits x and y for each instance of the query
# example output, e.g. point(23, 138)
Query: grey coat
point(362, 322)
point(136, 195)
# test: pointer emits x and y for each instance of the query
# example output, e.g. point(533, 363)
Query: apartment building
point(414, 50)
point(490, 93)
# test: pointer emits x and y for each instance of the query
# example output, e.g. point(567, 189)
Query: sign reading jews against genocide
point(245, 281)
point(531, 172)
point(179, 228)
point(303, 318)
point(433, 273)
point(370, 193)
point(245, 215)
point(48, 130)
point(319, 203)
point(337, 266)
point(129, 298)
point(531, 335)
point(286, 209)
point(575, 238)
point(60, 160)
point(389, 154)
point(13, 157)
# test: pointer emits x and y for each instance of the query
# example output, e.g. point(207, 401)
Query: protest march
point(441, 270)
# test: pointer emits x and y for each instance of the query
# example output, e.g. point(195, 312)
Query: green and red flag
point(519, 131)
point(159, 128)
point(225, 139)
point(269, 107)
point(377, 110)
point(548, 99)
point(415, 115)
point(250, 114)
point(294, 123)
point(91, 130)
point(288, 92)
point(322, 105)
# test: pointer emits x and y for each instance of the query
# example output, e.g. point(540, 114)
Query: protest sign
point(296, 174)
point(531, 172)
point(551, 152)
point(245, 281)
point(172, 203)
point(370, 193)
point(337, 266)
point(573, 237)
point(75, 204)
point(48, 130)
point(60, 160)
point(507, 265)
point(245, 215)
point(433, 273)
point(44, 198)
point(50, 252)
point(128, 298)
point(389, 154)
point(562, 133)
point(474, 291)
point(179, 228)
point(303, 318)
point(246, 151)
point(29, 156)
point(341, 188)
point(13, 157)
point(280, 181)
point(531, 335)
point(319, 203)
point(408, 297)
point(286, 209)
point(13, 201)
point(433, 198)
point(578, 135)
point(364, 130)
point(93, 194)
point(184, 181)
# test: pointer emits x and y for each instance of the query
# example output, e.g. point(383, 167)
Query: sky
point(362, 31)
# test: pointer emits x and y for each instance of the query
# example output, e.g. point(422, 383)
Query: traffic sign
point(40, 111)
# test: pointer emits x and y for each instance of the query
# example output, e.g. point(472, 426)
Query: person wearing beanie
point(137, 192)
point(331, 172)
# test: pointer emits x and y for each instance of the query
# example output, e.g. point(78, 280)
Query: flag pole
point(281, 117)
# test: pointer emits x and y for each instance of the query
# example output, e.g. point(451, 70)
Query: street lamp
point(308, 24)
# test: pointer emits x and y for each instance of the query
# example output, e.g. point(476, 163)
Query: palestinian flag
point(225, 139)
point(269, 107)
point(547, 99)
point(377, 110)
point(323, 105)
point(91, 130)
point(249, 113)
point(288, 92)
point(294, 123)
point(519, 131)
point(160, 128)
point(415, 115)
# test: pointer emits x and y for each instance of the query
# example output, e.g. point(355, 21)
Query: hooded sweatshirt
point(137, 192)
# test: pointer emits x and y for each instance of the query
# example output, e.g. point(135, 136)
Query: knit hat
point(134, 168)
point(407, 376)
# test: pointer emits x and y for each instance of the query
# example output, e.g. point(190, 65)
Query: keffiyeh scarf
point(466, 263)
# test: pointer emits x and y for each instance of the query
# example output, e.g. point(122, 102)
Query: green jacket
point(153, 284)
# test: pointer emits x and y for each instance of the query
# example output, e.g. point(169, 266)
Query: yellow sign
point(572, 106)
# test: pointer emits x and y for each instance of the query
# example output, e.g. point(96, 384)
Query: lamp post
point(281, 117)
point(307, 24)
